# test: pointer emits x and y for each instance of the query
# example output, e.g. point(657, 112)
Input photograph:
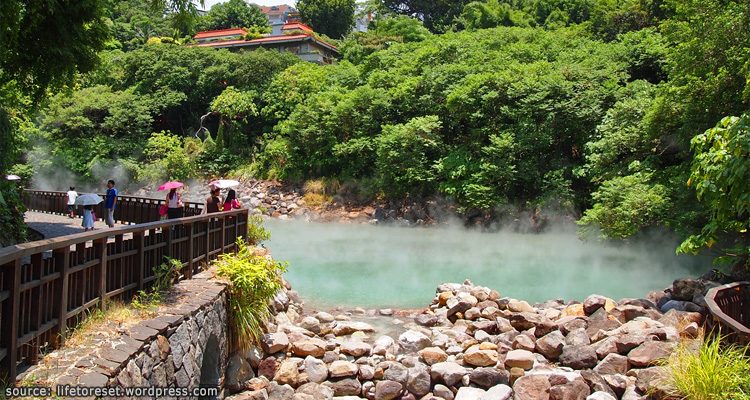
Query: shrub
point(714, 371)
point(256, 232)
point(316, 199)
point(315, 186)
point(253, 281)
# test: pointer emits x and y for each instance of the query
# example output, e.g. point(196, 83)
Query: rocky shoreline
point(471, 343)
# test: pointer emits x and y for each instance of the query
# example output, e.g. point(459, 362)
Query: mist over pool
point(384, 266)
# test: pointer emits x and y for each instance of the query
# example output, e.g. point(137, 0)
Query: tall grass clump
point(253, 281)
point(712, 371)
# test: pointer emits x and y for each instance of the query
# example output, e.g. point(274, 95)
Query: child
point(88, 218)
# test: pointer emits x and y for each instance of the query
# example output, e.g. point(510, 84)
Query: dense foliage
point(232, 14)
point(333, 18)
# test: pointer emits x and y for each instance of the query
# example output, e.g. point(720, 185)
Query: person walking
point(88, 218)
point(213, 202)
point(231, 202)
point(72, 194)
point(110, 203)
point(175, 206)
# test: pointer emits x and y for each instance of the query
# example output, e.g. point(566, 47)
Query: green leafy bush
point(167, 158)
point(253, 281)
point(256, 232)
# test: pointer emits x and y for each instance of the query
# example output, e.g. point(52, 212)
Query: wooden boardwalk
point(53, 225)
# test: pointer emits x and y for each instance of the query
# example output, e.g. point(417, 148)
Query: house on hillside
point(295, 37)
point(278, 16)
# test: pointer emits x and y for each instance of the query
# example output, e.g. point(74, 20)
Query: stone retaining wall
point(185, 346)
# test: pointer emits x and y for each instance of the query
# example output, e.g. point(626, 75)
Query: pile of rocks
point(469, 344)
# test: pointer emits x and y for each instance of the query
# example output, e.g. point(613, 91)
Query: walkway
point(53, 225)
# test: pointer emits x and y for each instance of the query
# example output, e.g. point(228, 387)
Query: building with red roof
point(296, 38)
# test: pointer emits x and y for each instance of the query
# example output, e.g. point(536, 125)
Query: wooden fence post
point(62, 264)
point(139, 243)
point(11, 318)
point(100, 249)
point(189, 273)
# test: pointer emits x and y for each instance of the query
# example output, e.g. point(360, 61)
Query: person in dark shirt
point(214, 202)
point(110, 202)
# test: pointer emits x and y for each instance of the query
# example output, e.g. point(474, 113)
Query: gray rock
point(489, 377)
point(578, 337)
point(426, 319)
point(447, 372)
point(470, 393)
point(499, 392)
point(345, 387)
point(397, 372)
point(316, 391)
point(316, 370)
point(238, 372)
point(551, 345)
point(612, 364)
point(279, 392)
point(356, 348)
point(412, 341)
point(311, 324)
point(419, 381)
point(384, 345)
point(443, 392)
point(600, 396)
point(579, 357)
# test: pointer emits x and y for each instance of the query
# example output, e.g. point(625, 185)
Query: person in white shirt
point(72, 195)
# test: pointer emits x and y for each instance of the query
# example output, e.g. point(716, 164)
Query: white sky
point(209, 3)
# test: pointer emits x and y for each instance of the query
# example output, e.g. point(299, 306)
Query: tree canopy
point(233, 14)
point(334, 18)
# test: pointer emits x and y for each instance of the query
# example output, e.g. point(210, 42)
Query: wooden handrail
point(28, 248)
point(729, 305)
point(47, 286)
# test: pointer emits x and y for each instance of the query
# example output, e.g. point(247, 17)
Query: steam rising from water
point(378, 266)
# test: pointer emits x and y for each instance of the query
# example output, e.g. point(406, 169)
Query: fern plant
point(253, 281)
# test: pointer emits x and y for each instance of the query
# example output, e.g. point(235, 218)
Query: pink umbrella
point(171, 185)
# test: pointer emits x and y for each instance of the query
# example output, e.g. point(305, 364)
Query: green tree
point(720, 174)
point(45, 44)
point(233, 14)
point(333, 18)
point(437, 15)
point(406, 154)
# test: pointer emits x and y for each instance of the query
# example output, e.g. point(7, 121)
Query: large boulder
point(577, 389)
point(287, 374)
point(499, 392)
point(686, 289)
point(343, 328)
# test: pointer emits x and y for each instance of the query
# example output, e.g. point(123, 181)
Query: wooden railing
point(128, 210)
point(729, 306)
point(48, 286)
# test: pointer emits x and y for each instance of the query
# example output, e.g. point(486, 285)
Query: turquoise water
point(379, 266)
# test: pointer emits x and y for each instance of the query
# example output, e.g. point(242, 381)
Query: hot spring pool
point(380, 266)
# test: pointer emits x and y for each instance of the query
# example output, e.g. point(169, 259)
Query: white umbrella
point(89, 199)
point(224, 183)
point(13, 177)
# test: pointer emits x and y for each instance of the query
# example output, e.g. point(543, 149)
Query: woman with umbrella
point(175, 206)
point(88, 201)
